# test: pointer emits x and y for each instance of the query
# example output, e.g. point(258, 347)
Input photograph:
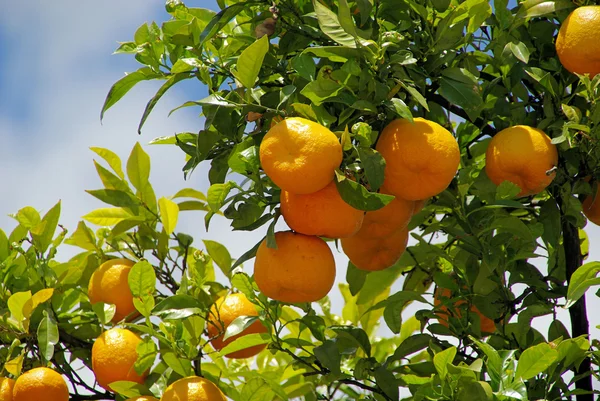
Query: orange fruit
point(300, 156)
point(143, 398)
point(113, 356)
point(373, 253)
point(385, 221)
point(487, 325)
point(6, 388)
point(419, 205)
point(421, 158)
point(275, 120)
point(301, 269)
point(578, 41)
point(322, 213)
point(521, 155)
point(109, 284)
point(40, 384)
point(224, 311)
point(591, 207)
point(193, 388)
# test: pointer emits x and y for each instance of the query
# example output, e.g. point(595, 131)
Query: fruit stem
point(577, 312)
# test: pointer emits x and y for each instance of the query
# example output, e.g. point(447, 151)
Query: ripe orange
point(109, 284)
point(143, 398)
point(487, 325)
point(591, 207)
point(300, 156)
point(322, 213)
point(421, 158)
point(6, 388)
point(385, 221)
point(301, 269)
point(373, 253)
point(40, 384)
point(113, 356)
point(521, 155)
point(578, 41)
point(224, 311)
point(193, 388)
point(419, 205)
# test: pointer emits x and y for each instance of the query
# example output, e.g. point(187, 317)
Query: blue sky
point(55, 70)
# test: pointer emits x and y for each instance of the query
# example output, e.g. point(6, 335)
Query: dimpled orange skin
point(40, 384)
point(224, 311)
point(300, 156)
point(113, 356)
point(373, 254)
point(193, 389)
point(323, 213)
point(143, 398)
point(487, 324)
point(301, 269)
point(591, 208)
point(521, 155)
point(421, 158)
point(109, 284)
point(385, 221)
point(6, 388)
point(578, 41)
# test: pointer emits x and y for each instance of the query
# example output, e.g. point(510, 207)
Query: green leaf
point(138, 167)
point(321, 89)
point(107, 216)
point(373, 164)
point(475, 391)
point(411, 345)
point(169, 213)
point(178, 306)
point(359, 197)
point(520, 51)
point(47, 336)
point(401, 109)
point(345, 18)
point(246, 341)
point(110, 180)
point(16, 302)
point(186, 64)
point(116, 197)
point(355, 278)
point(190, 193)
point(242, 282)
point(507, 190)
point(4, 246)
point(219, 254)
point(582, 279)
point(416, 95)
point(142, 282)
point(461, 87)
point(104, 312)
point(538, 8)
point(28, 217)
point(182, 367)
point(304, 65)
point(535, 360)
point(336, 54)
point(122, 86)
point(111, 158)
point(129, 389)
point(238, 325)
point(216, 195)
point(250, 62)
point(247, 255)
point(146, 351)
point(354, 334)
point(330, 25)
point(43, 233)
point(386, 380)
point(493, 362)
point(173, 79)
point(329, 356)
point(219, 21)
point(442, 359)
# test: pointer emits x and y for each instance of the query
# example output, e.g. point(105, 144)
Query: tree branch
point(85, 397)
point(486, 129)
point(577, 312)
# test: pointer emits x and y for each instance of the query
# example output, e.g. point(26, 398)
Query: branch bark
point(577, 312)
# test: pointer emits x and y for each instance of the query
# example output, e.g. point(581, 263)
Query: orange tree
point(470, 126)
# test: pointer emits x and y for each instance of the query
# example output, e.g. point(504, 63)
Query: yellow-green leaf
point(169, 213)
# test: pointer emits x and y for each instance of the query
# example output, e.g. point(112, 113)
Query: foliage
point(474, 67)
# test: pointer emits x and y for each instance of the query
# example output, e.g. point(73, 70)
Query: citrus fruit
point(486, 324)
point(578, 41)
point(193, 389)
point(224, 311)
point(143, 398)
point(385, 221)
point(373, 253)
point(421, 158)
point(301, 269)
point(322, 213)
point(300, 156)
point(591, 207)
point(6, 388)
point(113, 356)
point(522, 155)
point(40, 384)
point(109, 284)
point(419, 205)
